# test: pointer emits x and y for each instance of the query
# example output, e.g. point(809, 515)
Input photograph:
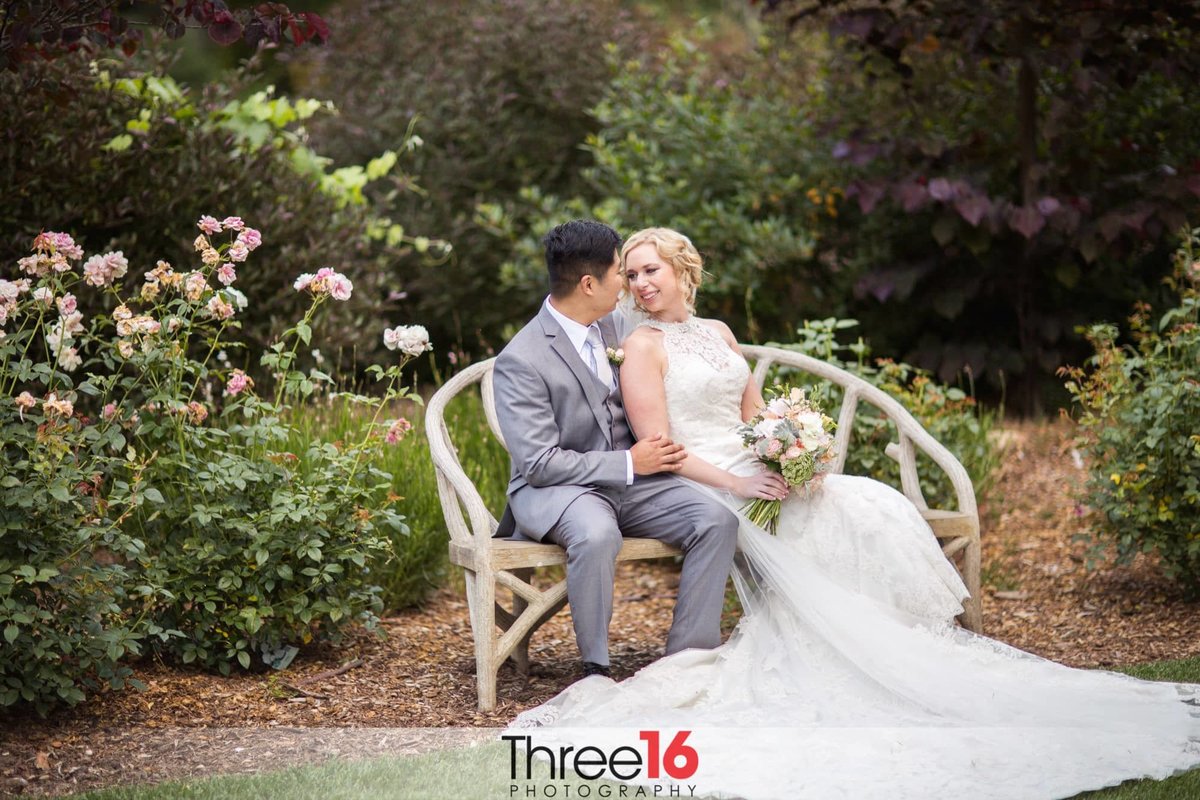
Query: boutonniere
point(615, 356)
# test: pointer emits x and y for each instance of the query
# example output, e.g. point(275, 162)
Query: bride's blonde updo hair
point(675, 249)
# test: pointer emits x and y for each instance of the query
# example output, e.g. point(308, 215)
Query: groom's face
point(606, 291)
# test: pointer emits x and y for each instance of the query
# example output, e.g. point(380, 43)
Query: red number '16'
point(676, 751)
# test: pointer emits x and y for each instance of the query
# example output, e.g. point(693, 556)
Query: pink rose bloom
point(66, 304)
point(398, 430)
point(103, 270)
point(251, 238)
point(44, 296)
point(774, 447)
point(227, 274)
point(59, 243)
point(793, 452)
point(209, 225)
point(219, 307)
point(340, 287)
point(146, 324)
point(31, 265)
point(125, 348)
point(201, 244)
point(238, 382)
point(25, 401)
point(197, 412)
point(122, 312)
point(303, 282)
point(194, 286)
point(69, 359)
point(72, 323)
point(118, 265)
point(232, 223)
point(238, 251)
point(110, 411)
point(55, 407)
point(95, 271)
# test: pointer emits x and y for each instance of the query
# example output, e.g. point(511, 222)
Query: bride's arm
point(645, 398)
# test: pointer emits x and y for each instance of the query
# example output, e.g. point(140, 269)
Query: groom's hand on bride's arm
point(656, 454)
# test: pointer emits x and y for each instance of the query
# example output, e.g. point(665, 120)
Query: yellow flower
point(1116, 478)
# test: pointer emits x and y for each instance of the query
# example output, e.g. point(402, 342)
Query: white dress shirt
point(578, 333)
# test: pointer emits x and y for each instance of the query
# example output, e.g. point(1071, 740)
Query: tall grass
point(420, 562)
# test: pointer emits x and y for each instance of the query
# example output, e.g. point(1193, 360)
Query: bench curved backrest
point(467, 517)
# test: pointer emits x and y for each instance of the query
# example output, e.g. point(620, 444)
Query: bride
point(846, 676)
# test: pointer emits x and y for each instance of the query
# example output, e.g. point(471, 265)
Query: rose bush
point(1139, 416)
point(150, 501)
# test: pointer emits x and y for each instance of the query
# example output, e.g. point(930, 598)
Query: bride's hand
point(764, 485)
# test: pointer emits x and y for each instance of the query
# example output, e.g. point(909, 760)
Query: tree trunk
point(1027, 396)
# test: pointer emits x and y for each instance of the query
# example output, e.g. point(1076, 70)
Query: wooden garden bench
point(502, 633)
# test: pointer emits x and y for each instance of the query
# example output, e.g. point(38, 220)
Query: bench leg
point(520, 654)
point(481, 595)
point(973, 608)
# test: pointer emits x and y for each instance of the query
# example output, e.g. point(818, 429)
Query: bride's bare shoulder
point(643, 340)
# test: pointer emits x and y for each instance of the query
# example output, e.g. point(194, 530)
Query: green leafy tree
point(42, 29)
point(1018, 166)
point(683, 144)
point(499, 91)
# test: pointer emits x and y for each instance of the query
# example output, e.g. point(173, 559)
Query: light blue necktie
point(597, 359)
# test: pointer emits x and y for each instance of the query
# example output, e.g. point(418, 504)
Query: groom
point(579, 479)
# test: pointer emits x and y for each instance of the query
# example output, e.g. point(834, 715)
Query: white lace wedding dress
point(846, 676)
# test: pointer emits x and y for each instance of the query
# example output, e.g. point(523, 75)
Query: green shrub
point(499, 90)
point(150, 502)
point(949, 414)
point(418, 561)
point(1139, 412)
point(684, 144)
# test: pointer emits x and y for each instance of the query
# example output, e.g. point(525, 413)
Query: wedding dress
point(846, 676)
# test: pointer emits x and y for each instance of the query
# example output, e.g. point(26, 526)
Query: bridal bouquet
point(792, 437)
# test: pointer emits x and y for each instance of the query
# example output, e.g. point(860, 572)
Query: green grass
point(1179, 787)
point(1185, 670)
point(477, 773)
point(420, 564)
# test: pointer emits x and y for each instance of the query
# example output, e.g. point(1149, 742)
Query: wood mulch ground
point(1038, 596)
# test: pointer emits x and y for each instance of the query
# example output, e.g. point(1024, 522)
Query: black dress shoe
point(591, 668)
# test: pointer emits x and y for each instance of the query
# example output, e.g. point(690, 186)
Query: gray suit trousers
point(658, 507)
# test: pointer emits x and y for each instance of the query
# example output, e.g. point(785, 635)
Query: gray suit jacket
point(565, 432)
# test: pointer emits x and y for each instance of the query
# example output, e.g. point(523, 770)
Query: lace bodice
point(704, 384)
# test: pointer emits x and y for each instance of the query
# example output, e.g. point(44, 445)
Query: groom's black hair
point(577, 248)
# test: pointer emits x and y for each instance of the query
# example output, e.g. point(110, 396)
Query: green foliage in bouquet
point(949, 414)
point(150, 501)
point(1139, 412)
